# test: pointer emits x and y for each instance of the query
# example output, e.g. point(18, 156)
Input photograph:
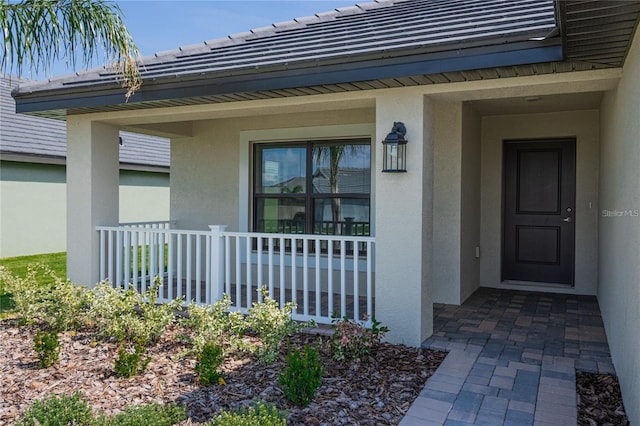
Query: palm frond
point(37, 33)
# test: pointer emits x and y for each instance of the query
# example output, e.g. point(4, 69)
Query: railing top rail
point(153, 230)
point(309, 237)
point(151, 222)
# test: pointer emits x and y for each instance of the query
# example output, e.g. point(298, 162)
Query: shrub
point(302, 376)
point(215, 324)
point(208, 364)
point(47, 347)
point(272, 324)
point(352, 340)
point(145, 415)
point(259, 414)
point(128, 364)
point(67, 410)
point(129, 316)
point(56, 410)
point(44, 298)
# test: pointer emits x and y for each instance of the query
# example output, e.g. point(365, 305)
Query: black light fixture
point(395, 150)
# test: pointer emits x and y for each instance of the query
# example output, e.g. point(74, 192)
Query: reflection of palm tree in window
point(334, 154)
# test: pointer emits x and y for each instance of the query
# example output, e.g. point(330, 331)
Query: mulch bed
point(599, 400)
point(377, 390)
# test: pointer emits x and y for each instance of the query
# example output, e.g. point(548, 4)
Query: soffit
point(538, 104)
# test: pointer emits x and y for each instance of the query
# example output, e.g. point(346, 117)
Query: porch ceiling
point(539, 104)
point(594, 34)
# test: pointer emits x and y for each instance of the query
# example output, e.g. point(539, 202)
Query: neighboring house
point(523, 134)
point(33, 206)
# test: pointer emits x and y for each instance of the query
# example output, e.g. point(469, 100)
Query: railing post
point(217, 262)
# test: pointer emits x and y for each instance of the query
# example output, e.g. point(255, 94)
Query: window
point(312, 187)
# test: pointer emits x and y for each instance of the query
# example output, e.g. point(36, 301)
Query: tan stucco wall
point(619, 274)
point(404, 231)
point(580, 124)
point(470, 203)
point(207, 167)
point(455, 201)
point(456, 215)
point(447, 175)
point(33, 205)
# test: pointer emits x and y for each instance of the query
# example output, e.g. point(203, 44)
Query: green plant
point(129, 316)
point(352, 339)
point(7, 305)
point(47, 347)
point(259, 414)
point(64, 410)
point(215, 324)
point(145, 415)
point(128, 363)
point(40, 296)
point(210, 358)
point(302, 376)
point(272, 324)
point(57, 410)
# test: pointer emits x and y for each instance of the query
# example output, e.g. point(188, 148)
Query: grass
point(19, 266)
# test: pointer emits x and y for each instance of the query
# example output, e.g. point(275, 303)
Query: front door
point(539, 211)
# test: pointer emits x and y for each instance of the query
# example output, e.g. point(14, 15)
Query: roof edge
point(307, 74)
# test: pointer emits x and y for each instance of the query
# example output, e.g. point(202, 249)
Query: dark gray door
point(539, 211)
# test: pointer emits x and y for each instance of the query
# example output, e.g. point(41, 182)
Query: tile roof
point(387, 43)
point(37, 137)
point(376, 29)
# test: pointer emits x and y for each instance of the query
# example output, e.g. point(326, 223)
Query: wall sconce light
point(395, 150)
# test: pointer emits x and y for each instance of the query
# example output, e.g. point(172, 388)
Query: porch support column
point(92, 194)
point(404, 222)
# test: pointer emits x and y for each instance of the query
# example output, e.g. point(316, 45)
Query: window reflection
point(320, 188)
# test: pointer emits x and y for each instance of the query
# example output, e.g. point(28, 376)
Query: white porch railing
point(322, 274)
point(161, 224)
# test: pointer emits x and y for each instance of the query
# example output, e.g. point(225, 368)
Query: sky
point(157, 26)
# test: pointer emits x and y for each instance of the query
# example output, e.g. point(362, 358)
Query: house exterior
point(521, 167)
point(33, 179)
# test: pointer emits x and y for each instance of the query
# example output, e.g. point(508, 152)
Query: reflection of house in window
point(347, 216)
point(350, 180)
point(332, 200)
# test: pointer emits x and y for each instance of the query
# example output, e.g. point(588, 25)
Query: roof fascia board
point(396, 67)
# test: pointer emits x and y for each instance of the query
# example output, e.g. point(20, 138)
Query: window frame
point(309, 196)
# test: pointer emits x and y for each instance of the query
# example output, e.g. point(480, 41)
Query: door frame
point(513, 141)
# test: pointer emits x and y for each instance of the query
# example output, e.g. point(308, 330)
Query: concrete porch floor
point(512, 359)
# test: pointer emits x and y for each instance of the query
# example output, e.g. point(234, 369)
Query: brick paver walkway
point(512, 359)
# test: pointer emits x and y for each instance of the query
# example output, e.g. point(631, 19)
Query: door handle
point(566, 219)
